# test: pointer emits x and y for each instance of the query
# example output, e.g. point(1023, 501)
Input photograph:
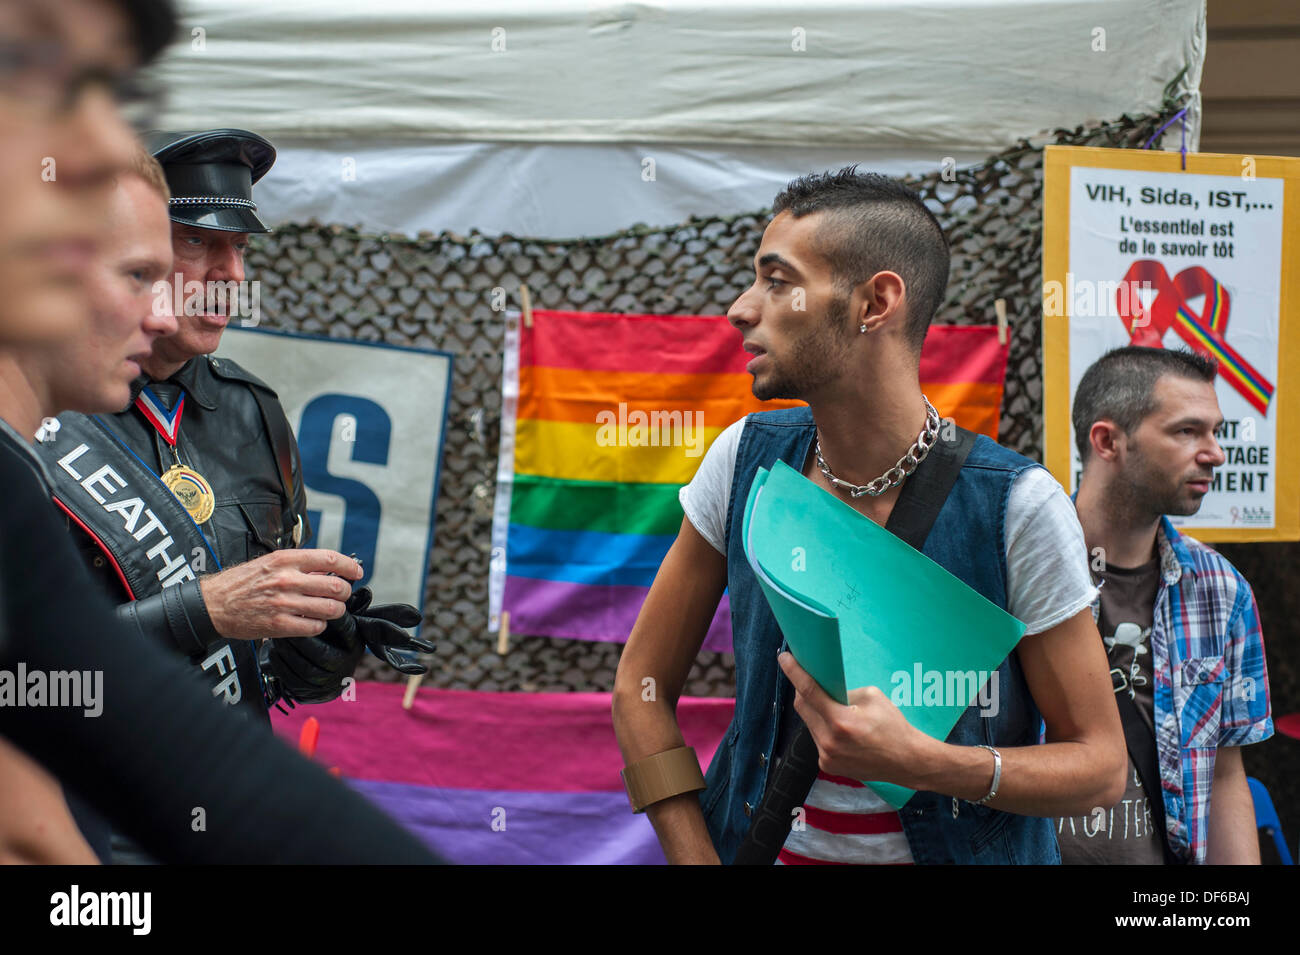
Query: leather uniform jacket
point(224, 437)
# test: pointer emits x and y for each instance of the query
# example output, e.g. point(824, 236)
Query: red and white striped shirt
point(846, 823)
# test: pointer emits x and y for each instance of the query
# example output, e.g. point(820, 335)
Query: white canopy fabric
point(407, 116)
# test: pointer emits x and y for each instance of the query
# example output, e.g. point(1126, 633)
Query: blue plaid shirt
point(1211, 681)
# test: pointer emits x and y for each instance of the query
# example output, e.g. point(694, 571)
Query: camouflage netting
point(436, 292)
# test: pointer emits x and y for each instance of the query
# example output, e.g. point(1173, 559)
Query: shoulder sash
point(131, 515)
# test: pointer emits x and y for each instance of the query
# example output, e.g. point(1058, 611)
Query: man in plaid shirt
point(1179, 622)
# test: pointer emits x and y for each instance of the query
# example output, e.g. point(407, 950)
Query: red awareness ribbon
point(1204, 332)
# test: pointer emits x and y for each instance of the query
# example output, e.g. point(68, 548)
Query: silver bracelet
point(997, 774)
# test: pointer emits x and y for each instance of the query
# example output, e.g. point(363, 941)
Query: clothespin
point(503, 634)
point(527, 309)
point(307, 742)
point(308, 737)
point(1000, 306)
point(412, 684)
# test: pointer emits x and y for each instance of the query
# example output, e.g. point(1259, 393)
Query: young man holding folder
point(848, 277)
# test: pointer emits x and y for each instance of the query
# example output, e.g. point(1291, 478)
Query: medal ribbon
point(167, 423)
point(1204, 332)
point(187, 484)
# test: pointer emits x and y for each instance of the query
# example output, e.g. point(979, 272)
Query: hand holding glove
point(312, 669)
point(381, 629)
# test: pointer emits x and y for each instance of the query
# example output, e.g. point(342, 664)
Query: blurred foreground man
point(59, 149)
point(91, 689)
point(1178, 621)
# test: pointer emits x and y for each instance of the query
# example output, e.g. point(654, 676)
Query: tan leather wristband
point(662, 776)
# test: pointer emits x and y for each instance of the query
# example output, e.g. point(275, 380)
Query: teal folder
point(859, 607)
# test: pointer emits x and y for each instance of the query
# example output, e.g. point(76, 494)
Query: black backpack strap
point(1141, 742)
point(925, 492)
point(795, 770)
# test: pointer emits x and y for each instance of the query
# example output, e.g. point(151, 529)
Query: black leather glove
point(312, 669)
point(381, 629)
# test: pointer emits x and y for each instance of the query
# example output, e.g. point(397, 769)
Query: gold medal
point(192, 490)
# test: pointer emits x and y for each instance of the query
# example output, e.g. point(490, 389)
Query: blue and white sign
point(370, 420)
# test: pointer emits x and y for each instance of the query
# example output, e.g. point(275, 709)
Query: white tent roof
point(427, 98)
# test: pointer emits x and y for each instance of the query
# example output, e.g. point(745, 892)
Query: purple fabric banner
point(558, 608)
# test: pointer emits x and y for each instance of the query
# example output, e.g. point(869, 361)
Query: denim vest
point(967, 539)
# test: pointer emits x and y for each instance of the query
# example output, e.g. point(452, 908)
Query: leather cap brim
point(225, 218)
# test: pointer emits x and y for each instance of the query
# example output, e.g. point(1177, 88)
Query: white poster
point(370, 421)
point(1180, 260)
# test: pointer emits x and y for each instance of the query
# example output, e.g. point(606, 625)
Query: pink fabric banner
point(498, 777)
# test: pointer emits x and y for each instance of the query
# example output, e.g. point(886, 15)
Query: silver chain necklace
point(899, 472)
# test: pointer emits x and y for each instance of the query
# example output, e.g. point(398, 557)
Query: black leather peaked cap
point(211, 174)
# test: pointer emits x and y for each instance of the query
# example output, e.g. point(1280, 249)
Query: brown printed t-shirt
point(1122, 834)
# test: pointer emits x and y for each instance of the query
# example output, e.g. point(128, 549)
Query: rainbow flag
point(605, 417)
point(498, 778)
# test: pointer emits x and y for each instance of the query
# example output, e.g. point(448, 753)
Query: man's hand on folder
point(868, 739)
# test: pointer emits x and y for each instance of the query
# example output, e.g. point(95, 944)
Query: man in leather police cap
point(216, 437)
